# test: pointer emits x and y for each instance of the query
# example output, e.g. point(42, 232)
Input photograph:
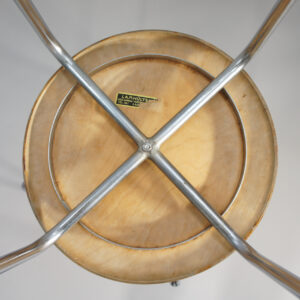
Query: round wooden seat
point(145, 230)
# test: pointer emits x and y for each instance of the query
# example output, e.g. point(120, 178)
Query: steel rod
point(232, 70)
point(282, 276)
point(38, 24)
point(49, 238)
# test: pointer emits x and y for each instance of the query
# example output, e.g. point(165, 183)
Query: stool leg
point(287, 279)
point(14, 258)
point(284, 277)
point(223, 78)
point(37, 22)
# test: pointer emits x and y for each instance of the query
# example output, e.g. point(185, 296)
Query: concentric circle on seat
point(145, 230)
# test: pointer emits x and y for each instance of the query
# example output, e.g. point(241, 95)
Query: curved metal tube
point(232, 70)
point(37, 22)
point(284, 277)
point(49, 238)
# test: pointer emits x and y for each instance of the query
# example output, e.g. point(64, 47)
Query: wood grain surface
point(145, 231)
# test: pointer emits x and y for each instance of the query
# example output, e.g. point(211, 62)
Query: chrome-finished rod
point(37, 22)
point(49, 238)
point(232, 70)
point(286, 278)
point(282, 276)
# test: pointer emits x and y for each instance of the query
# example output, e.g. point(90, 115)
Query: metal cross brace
point(148, 148)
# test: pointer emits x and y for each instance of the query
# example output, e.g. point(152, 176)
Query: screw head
point(146, 147)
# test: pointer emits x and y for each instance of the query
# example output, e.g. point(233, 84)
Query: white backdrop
point(26, 65)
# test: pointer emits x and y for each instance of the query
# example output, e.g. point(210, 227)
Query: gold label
point(126, 99)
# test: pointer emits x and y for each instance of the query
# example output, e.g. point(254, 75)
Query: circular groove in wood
point(131, 58)
point(158, 265)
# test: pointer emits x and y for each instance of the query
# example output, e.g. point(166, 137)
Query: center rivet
point(147, 147)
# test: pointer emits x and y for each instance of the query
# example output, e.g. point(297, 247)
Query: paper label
point(132, 100)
